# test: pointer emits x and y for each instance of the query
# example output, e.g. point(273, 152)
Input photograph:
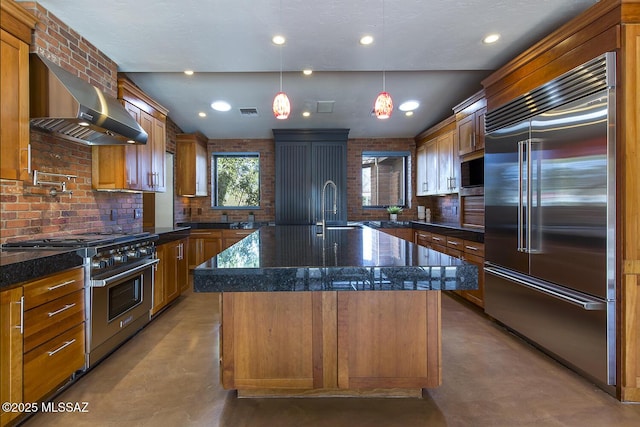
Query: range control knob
point(99, 263)
point(119, 258)
point(133, 254)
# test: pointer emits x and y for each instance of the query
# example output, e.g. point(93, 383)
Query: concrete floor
point(167, 375)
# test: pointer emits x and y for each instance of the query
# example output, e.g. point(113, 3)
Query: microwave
point(472, 173)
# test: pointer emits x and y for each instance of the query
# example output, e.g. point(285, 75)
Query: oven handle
point(110, 280)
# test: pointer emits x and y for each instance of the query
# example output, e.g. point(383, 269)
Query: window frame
point(406, 157)
point(214, 181)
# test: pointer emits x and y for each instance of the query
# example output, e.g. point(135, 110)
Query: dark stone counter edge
point(169, 234)
point(444, 229)
point(13, 275)
point(336, 279)
point(451, 230)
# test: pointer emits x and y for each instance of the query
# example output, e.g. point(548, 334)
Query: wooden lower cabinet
point(470, 251)
point(203, 245)
point(288, 343)
point(54, 332)
point(10, 350)
point(171, 274)
point(53, 362)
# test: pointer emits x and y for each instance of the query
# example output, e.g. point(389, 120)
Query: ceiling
point(430, 51)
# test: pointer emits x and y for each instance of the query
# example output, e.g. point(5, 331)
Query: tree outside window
point(236, 180)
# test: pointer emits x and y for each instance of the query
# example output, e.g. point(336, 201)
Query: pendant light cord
point(384, 52)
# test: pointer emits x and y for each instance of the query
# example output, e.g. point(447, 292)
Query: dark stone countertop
point(20, 266)
point(224, 225)
point(168, 234)
point(295, 258)
point(446, 229)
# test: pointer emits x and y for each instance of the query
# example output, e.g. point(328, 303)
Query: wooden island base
point(330, 343)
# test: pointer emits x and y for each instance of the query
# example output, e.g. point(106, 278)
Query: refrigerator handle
point(521, 150)
point(528, 216)
point(585, 302)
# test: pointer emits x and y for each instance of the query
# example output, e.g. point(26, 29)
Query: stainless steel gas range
point(119, 276)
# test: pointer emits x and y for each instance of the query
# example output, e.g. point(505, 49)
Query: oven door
point(119, 306)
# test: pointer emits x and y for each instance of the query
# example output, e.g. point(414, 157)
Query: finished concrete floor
point(167, 375)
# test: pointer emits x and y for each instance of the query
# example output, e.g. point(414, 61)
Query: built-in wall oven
point(119, 277)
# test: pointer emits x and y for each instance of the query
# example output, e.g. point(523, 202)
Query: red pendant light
point(281, 106)
point(383, 105)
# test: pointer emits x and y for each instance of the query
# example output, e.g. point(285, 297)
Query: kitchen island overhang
point(295, 258)
point(356, 313)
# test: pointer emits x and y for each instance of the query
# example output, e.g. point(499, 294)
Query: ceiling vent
point(325, 106)
point(249, 112)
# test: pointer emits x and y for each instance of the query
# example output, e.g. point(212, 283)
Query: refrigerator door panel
point(504, 194)
point(568, 216)
point(575, 336)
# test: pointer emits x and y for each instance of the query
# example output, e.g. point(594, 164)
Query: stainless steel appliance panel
point(504, 191)
point(569, 186)
point(569, 332)
point(119, 309)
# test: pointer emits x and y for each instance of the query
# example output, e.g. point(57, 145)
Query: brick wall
point(62, 45)
point(25, 210)
point(199, 208)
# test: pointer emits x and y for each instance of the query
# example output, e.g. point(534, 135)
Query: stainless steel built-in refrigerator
point(550, 218)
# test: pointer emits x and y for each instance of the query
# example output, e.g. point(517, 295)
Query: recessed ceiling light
point(83, 124)
point(409, 113)
point(366, 40)
point(188, 72)
point(202, 114)
point(307, 72)
point(278, 40)
point(306, 114)
point(220, 106)
point(491, 38)
point(409, 105)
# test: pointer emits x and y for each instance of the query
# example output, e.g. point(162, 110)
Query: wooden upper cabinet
point(437, 162)
point(15, 36)
point(134, 167)
point(191, 170)
point(470, 123)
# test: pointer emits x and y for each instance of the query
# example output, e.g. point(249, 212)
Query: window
point(235, 180)
point(384, 178)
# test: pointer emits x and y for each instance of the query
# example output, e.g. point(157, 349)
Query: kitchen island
point(353, 312)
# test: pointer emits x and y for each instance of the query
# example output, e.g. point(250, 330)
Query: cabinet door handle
point(449, 242)
point(66, 344)
point(21, 325)
point(68, 282)
point(437, 239)
point(471, 248)
point(65, 308)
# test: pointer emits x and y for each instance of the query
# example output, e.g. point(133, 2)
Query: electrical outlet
point(114, 215)
point(137, 213)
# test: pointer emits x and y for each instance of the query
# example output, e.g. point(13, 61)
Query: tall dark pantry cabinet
point(305, 160)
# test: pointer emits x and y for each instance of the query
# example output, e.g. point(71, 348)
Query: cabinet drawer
point(474, 248)
point(422, 238)
point(48, 320)
point(439, 239)
point(51, 287)
point(48, 365)
point(455, 243)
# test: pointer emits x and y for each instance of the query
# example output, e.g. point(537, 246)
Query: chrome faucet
point(322, 203)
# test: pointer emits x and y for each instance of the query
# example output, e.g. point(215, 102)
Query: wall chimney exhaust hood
point(66, 105)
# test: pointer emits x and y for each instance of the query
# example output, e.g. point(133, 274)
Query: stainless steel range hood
point(64, 104)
